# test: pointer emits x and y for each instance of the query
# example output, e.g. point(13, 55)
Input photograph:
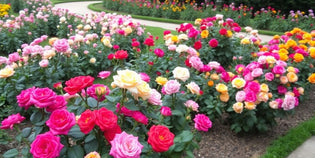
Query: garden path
point(306, 150)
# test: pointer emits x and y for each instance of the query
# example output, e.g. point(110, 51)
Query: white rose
point(181, 73)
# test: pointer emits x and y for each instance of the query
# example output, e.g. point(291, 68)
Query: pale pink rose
point(252, 66)
point(171, 86)
point(145, 77)
point(11, 121)
point(214, 65)
point(60, 122)
point(192, 105)
point(3, 60)
point(262, 59)
point(67, 96)
point(248, 77)
point(196, 62)
point(172, 47)
point(202, 122)
point(61, 45)
point(269, 76)
point(288, 102)
point(257, 72)
point(281, 63)
point(59, 103)
point(24, 98)
point(125, 146)
point(98, 91)
point(14, 57)
point(43, 97)
point(193, 88)
point(46, 145)
point(166, 111)
point(140, 117)
point(44, 63)
point(104, 74)
point(240, 96)
point(155, 98)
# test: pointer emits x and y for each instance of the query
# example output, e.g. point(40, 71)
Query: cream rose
point(127, 79)
point(6, 72)
point(181, 73)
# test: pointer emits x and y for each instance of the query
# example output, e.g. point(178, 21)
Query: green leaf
point(76, 152)
point(186, 136)
point(89, 138)
point(36, 117)
point(189, 154)
point(11, 153)
point(26, 132)
point(109, 106)
point(177, 113)
point(131, 106)
point(76, 132)
point(92, 102)
point(25, 151)
point(113, 99)
point(91, 146)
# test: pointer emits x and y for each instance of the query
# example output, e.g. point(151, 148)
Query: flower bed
point(150, 100)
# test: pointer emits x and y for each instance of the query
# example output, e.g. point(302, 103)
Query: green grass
point(283, 146)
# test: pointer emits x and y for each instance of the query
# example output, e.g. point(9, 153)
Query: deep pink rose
point(24, 98)
point(125, 111)
point(225, 76)
point(140, 117)
point(145, 77)
point(61, 121)
point(159, 52)
point(61, 45)
point(250, 96)
point(202, 122)
point(166, 111)
point(11, 120)
point(213, 43)
point(98, 91)
point(46, 145)
point(269, 76)
point(278, 70)
point(59, 103)
point(125, 146)
point(252, 86)
point(104, 74)
point(13, 57)
point(43, 97)
point(282, 89)
point(171, 86)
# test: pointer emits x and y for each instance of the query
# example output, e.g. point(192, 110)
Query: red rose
point(76, 84)
point(213, 43)
point(223, 32)
point(160, 138)
point(149, 42)
point(105, 119)
point(198, 45)
point(110, 134)
point(86, 121)
point(110, 56)
point(135, 44)
point(121, 54)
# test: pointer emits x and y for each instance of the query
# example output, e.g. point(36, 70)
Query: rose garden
point(100, 85)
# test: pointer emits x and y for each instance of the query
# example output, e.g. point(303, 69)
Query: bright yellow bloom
point(283, 56)
point(245, 41)
point(238, 83)
point(292, 77)
point(298, 57)
point(250, 105)
point(276, 37)
point(264, 87)
point(311, 78)
point(222, 88)
point(291, 43)
point(291, 69)
point(229, 33)
point(204, 34)
point(161, 80)
point(282, 50)
point(174, 39)
point(311, 50)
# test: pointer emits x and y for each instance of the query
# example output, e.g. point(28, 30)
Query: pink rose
point(250, 96)
point(253, 86)
point(24, 98)
point(166, 111)
point(155, 98)
point(213, 43)
point(61, 121)
point(269, 76)
point(46, 145)
point(202, 122)
point(125, 146)
point(192, 105)
point(140, 117)
point(288, 102)
point(145, 77)
point(159, 52)
point(104, 74)
point(280, 101)
point(11, 120)
point(225, 76)
point(125, 111)
point(171, 86)
point(43, 97)
point(59, 103)
point(44, 63)
point(98, 91)
point(3, 60)
point(282, 89)
point(278, 70)
point(13, 57)
point(61, 45)
point(240, 96)
point(257, 72)
point(196, 62)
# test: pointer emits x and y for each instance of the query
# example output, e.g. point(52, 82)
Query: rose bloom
point(140, 117)
point(155, 98)
point(202, 122)
point(59, 103)
point(298, 57)
point(262, 97)
point(198, 45)
point(311, 78)
point(121, 54)
point(269, 76)
point(11, 121)
point(224, 97)
point(104, 74)
point(213, 43)
point(222, 88)
point(110, 134)
point(284, 79)
point(214, 76)
point(77, 84)
point(240, 96)
point(93, 154)
point(278, 70)
point(171, 86)
point(92, 60)
point(161, 80)
point(98, 91)
point(250, 105)
point(61, 121)
point(264, 87)
point(166, 111)
point(288, 102)
point(281, 89)
point(6, 72)
point(204, 33)
point(44, 63)
point(181, 73)
point(86, 121)
point(192, 105)
point(250, 96)
point(57, 85)
point(252, 86)
point(196, 62)
point(42, 97)
point(257, 72)
point(61, 45)
point(105, 119)
point(13, 57)
point(274, 104)
point(143, 91)
point(238, 82)
point(160, 138)
point(145, 77)
point(127, 79)
point(194, 88)
point(46, 145)
point(159, 52)
point(149, 42)
point(238, 107)
point(125, 146)
point(24, 98)
point(292, 77)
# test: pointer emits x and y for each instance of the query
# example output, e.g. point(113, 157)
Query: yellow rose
point(161, 80)
point(264, 87)
point(222, 88)
point(307, 36)
point(128, 30)
point(271, 60)
point(181, 73)
point(298, 57)
point(292, 77)
point(224, 97)
point(312, 52)
point(92, 60)
point(229, 33)
point(283, 56)
point(127, 79)
point(214, 76)
point(250, 105)
point(238, 107)
point(52, 40)
point(93, 154)
point(198, 21)
point(204, 34)
point(282, 50)
point(291, 69)
point(238, 83)
point(48, 54)
point(174, 39)
point(291, 43)
point(276, 37)
point(143, 91)
point(193, 88)
point(6, 72)
point(245, 41)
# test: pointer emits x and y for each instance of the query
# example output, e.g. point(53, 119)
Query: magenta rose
point(11, 121)
point(269, 76)
point(144, 77)
point(61, 45)
point(250, 96)
point(61, 121)
point(98, 91)
point(171, 86)
point(43, 97)
point(196, 62)
point(125, 146)
point(13, 57)
point(282, 89)
point(140, 117)
point(166, 111)
point(202, 122)
point(59, 103)
point(104, 74)
point(24, 98)
point(213, 43)
point(252, 86)
point(278, 70)
point(46, 145)
point(159, 52)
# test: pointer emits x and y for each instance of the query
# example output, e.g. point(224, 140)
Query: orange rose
point(311, 78)
point(238, 107)
point(312, 52)
point(224, 97)
point(298, 57)
point(250, 105)
point(210, 83)
point(292, 77)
